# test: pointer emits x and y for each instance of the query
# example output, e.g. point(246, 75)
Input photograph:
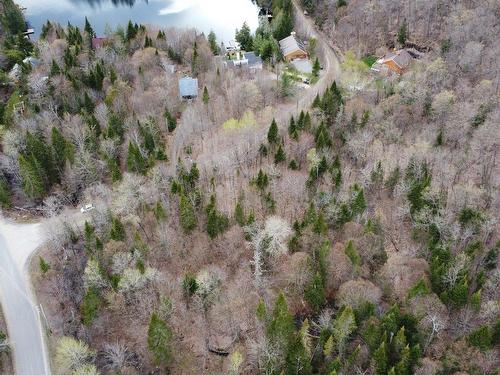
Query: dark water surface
point(222, 16)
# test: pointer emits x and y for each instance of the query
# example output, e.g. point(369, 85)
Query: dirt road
point(17, 243)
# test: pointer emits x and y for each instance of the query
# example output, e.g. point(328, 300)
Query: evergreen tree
point(88, 29)
point(343, 327)
point(320, 226)
point(135, 160)
point(316, 102)
point(262, 180)
point(212, 41)
point(38, 150)
point(117, 230)
point(206, 97)
point(159, 340)
point(89, 307)
point(352, 254)
point(358, 202)
point(187, 216)
point(380, 359)
point(321, 137)
point(216, 223)
point(403, 33)
point(5, 194)
point(131, 31)
point(293, 128)
point(32, 179)
point(282, 23)
point(280, 156)
point(239, 213)
point(170, 120)
point(307, 121)
point(63, 149)
point(54, 69)
point(316, 68)
point(244, 37)
point(115, 127)
point(315, 293)
point(273, 133)
point(281, 326)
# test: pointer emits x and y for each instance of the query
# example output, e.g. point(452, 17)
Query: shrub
point(90, 306)
point(481, 338)
point(44, 266)
point(159, 340)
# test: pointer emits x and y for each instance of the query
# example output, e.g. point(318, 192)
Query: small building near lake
point(188, 88)
point(293, 48)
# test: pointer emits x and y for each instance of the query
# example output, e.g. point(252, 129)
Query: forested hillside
point(245, 232)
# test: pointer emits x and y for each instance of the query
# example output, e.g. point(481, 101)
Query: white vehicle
point(88, 207)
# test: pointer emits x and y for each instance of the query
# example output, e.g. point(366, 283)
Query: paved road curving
point(17, 244)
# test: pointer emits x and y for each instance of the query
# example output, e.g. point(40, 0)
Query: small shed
point(254, 61)
point(188, 87)
point(293, 48)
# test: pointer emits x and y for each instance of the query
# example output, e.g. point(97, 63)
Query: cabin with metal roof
point(293, 48)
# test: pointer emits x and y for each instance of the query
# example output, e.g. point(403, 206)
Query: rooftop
point(291, 44)
point(188, 87)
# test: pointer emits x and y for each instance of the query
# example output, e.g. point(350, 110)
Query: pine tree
point(32, 179)
point(280, 156)
point(239, 213)
point(89, 307)
point(293, 129)
point(131, 31)
point(315, 293)
point(307, 121)
point(262, 180)
point(117, 230)
point(380, 358)
point(170, 120)
point(343, 327)
point(316, 68)
point(216, 223)
point(135, 161)
point(212, 41)
point(316, 102)
point(5, 194)
point(187, 216)
point(261, 311)
point(320, 226)
point(206, 97)
point(54, 69)
point(63, 149)
point(88, 28)
point(159, 340)
point(322, 138)
point(159, 212)
point(281, 326)
point(403, 33)
point(244, 37)
point(273, 133)
point(41, 153)
point(352, 254)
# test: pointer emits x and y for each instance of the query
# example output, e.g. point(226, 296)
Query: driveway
point(17, 243)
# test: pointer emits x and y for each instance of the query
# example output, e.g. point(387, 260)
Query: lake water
point(221, 16)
